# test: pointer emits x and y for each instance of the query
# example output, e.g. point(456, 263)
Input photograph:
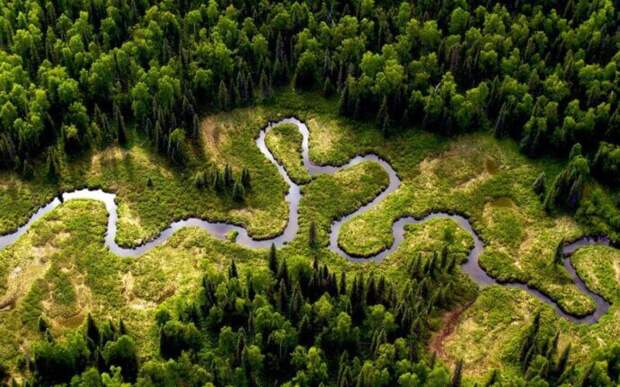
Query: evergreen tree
point(238, 192)
point(223, 97)
point(312, 235)
point(273, 259)
point(558, 256)
point(232, 270)
point(539, 185)
point(52, 166)
point(457, 375)
point(383, 117)
point(93, 336)
point(246, 179)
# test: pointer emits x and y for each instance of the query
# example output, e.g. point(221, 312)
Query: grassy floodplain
point(60, 268)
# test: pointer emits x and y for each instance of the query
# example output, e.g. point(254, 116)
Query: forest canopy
point(79, 74)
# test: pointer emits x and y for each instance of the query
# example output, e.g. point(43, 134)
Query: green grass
point(66, 272)
point(284, 141)
point(599, 267)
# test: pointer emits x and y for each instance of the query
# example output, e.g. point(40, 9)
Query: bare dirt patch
point(448, 325)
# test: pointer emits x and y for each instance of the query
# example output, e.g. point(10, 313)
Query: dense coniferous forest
point(82, 75)
point(302, 326)
point(79, 74)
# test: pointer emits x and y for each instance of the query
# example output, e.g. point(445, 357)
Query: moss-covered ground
point(60, 268)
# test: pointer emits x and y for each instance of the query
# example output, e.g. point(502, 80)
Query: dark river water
point(221, 230)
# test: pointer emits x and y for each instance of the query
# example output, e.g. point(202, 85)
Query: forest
point(517, 99)
point(78, 74)
point(302, 327)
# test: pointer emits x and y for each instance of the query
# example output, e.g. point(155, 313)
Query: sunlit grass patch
point(284, 141)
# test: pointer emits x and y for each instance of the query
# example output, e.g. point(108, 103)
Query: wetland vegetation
point(505, 113)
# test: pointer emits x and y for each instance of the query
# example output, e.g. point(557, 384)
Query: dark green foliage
point(232, 270)
point(457, 376)
point(312, 235)
point(122, 353)
point(539, 185)
point(238, 192)
point(55, 363)
point(100, 345)
point(92, 334)
point(84, 72)
point(176, 337)
point(301, 326)
point(246, 179)
point(558, 256)
point(273, 259)
point(567, 188)
point(606, 163)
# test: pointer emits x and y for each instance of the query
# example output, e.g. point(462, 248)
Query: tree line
point(303, 325)
point(79, 74)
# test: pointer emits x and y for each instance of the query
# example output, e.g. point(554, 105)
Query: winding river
point(221, 230)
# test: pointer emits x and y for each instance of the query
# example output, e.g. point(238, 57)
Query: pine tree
point(343, 283)
point(93, 336)
point(312, 235)
point(383, 117)
point(250, 292)
point(328, 88)
point(458, 374)
point(223, 96)
point(273, 259)
point(119, 122)
point(283, 274)
point(371, 291)
point(282, 298)
point(560, 368)
point(122, 329)
point(228, 176)
point(246, 179)
point(539, 185)
point(493, 378)
point(306, 334)
point(238, 192)
point(558, 256)
point(232, 270)
point(52, 167)
point(344, 102)
point(42, 324)
point(296, 303)
point(219, 182)
point(264, 87)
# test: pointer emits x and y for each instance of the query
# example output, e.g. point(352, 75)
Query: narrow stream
point(221, 230)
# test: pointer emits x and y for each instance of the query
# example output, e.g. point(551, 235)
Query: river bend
point(221, 229)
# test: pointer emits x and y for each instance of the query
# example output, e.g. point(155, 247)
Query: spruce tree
point(312, 235)
point(344, 102)
point(539, 185)
point(228, 176)
point(223, 96)
point(558, 256)
point(560, 368)
point(238, 192)
point(383, 117)
point(52, 167)
point(273, 259)
point(93, 336)
point(343, 283)
point(283, 274)
point(458, 374)
point(232, 270)
point(119, 122)
point(246, 179)
point(493, 378)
